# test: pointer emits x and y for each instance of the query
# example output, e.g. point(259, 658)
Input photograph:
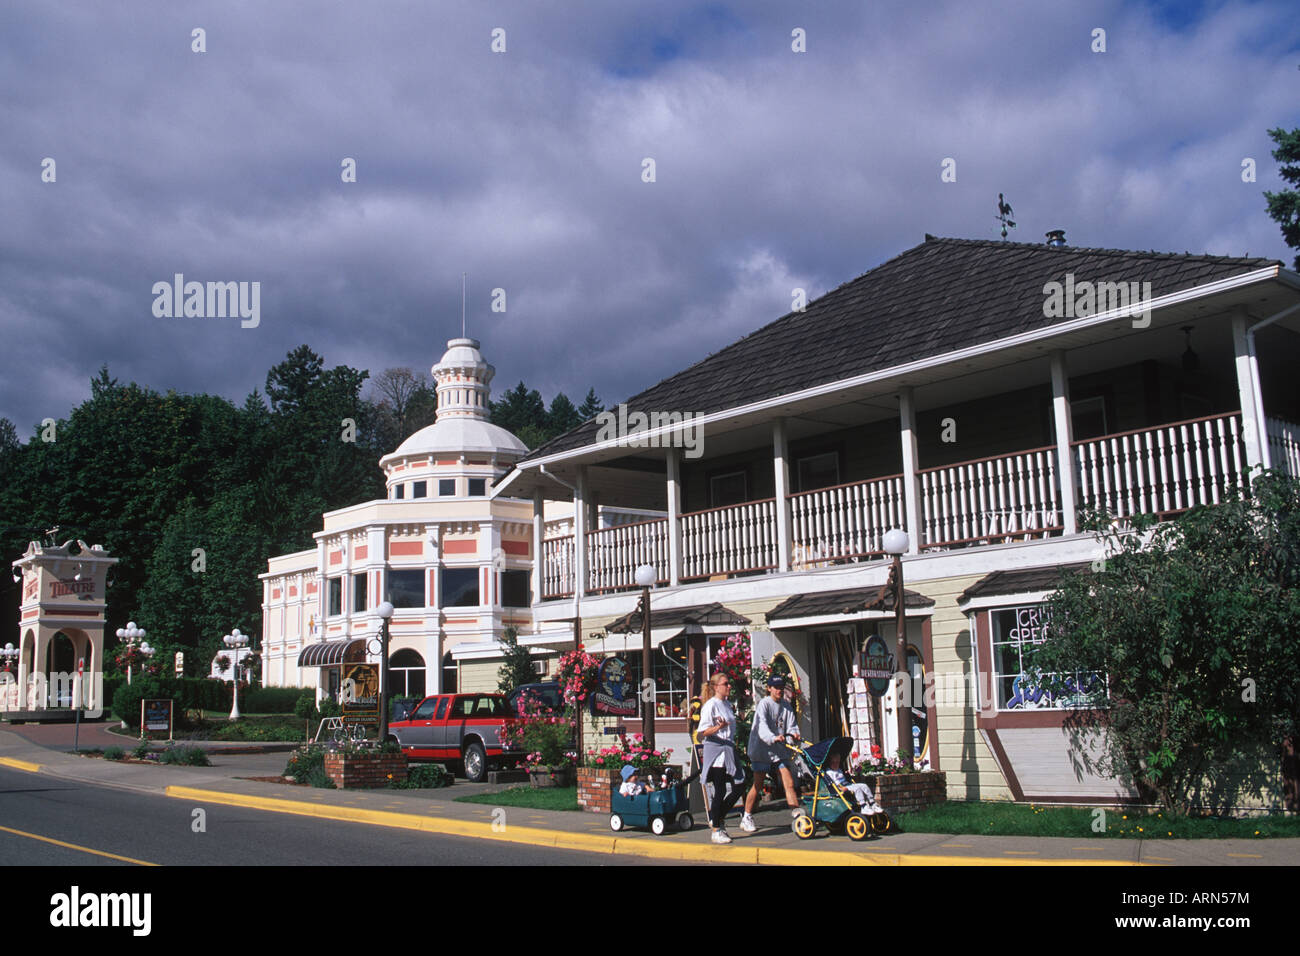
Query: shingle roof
point(705, 615)
point(846, 601)
point(936, 297)
point(1020, 582)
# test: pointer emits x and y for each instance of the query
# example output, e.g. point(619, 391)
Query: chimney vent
point(1056, 238)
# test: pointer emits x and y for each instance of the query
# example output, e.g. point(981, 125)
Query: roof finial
point(1004, 215)
point(462, 305)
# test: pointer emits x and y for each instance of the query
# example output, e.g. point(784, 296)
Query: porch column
point(433, 637)
point(1249, 395)
point(781, 466)
point(911, 499)
point(1064, 437)
point(580, 534)
point(674, 517)
point(539, 532)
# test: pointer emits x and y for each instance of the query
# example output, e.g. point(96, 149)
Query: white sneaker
point(747, 823)
point(720, 836)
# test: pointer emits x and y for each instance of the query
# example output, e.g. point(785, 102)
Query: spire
point(464, 381)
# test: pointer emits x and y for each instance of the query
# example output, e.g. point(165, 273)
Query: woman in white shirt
point(717, 730)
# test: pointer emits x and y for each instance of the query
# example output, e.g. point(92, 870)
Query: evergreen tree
point(562, 417)
point(1284, 206)
point(517, 668)
point(591, 406)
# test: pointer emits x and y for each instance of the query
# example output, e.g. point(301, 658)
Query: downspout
point(1258, 390)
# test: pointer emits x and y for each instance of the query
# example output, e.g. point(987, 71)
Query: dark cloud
point(774, 170)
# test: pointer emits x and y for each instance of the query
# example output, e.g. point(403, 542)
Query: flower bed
point(908, 792)
point(355, 771)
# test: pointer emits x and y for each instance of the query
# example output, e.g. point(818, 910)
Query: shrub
point(140, 750)
point(303, 761)
point(186, 756)
point(320, 779)
point(270, 700)
point(114, 753)
point(425, 776)
point(329, 707)
point(305, 706)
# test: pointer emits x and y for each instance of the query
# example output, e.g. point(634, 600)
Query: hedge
point(199, 693)
point(269, 700)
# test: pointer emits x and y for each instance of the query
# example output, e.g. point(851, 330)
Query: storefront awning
point(848, 604)
point(1025, 584)
point(333, 653)
point(695, 619)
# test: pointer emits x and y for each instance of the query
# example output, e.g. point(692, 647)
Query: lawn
point(534, 798)
point(1019, 819)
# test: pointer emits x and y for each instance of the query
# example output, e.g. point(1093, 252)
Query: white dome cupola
point(464, 381)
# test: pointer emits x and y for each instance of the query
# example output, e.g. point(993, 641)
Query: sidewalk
point(436, 811)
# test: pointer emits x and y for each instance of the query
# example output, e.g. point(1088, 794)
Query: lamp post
point(646, 577)
point(896, 543)
point(130, 634)
point(235, 640)
point(385, 612)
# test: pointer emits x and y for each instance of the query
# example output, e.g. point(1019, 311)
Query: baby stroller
point(824, 801)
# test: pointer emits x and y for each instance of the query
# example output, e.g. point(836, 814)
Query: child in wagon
point(860, 791)
point(631, 785)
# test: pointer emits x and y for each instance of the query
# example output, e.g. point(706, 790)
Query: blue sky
point(774, 169)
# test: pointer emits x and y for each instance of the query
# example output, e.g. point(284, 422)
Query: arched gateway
point(61, 624)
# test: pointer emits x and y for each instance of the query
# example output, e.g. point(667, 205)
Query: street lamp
point(896, 543)
point(645, 578)
point(235, 641)
point(385, 612)
point(131, 634)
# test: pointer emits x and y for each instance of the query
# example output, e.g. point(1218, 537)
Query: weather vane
point(1004, 215)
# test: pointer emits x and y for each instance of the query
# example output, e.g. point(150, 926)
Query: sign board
point(156, 718)
point(180, 663)
point(359, 693)
point(613, 696)
point(877, 665)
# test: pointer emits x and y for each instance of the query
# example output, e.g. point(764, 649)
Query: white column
point(580, 534)
point(781, 468)
point(491, 531)
point(911, 500)
point(433, 621)
point(674, 517)
point(539, 534)
point(1064, 436)
point(1254, 435)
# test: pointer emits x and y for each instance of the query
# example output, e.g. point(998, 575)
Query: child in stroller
point(866, 800)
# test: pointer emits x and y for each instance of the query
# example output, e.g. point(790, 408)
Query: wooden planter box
point(551, 778)
point(595, 786)
point(365, 771)
point(909, 792)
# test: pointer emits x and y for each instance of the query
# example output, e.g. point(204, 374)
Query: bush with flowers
point(577, 675)
point(734, 659)
point(876, 763)
point(545, 737)
point(630, 750)
point(128, 656)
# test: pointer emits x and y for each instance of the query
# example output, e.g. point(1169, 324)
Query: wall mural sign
point(877, 665)
point(359, 693)
point(613, 696)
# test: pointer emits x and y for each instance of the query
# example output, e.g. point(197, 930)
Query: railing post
point(1248, 391)
point(539, 531)
point(907, 431)
point(674, 517)
point(781, 466)
point(1064, 436)
point(580, 518)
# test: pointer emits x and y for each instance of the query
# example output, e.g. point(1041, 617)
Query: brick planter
point(364, 771)
point(595, 786)
point(909, 792)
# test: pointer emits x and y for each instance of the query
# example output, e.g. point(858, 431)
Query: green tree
point(562, 416)
point(591, 406)
point(1180, 645)
point(1284, 206)
point(517, 668)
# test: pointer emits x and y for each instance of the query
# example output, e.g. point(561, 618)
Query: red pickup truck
point(457, 728)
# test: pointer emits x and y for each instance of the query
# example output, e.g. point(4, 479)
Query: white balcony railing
point(844, 521)
point(974, 502)
point(557, 566)
point(615, 553)
point(729, 540)
point(1161, 470)
point(1284, 446)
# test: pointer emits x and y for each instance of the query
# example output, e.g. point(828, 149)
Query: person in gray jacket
point(774, 724)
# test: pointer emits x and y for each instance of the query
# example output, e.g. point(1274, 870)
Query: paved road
point(97, 826)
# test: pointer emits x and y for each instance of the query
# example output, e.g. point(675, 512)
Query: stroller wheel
point(881, 823)
point(856, 826)
point(804, 826)
point(615, 822)
point(658, 825)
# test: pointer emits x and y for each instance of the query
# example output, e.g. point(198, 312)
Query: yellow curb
point(632, 846)
point(17, 764)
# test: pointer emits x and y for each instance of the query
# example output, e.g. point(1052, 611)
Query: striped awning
point(332, 653)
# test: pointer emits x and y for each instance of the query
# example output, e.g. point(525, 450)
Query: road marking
point(1097, 848)
point(17, 764)
point(964, 846)
point(1246, 856)
point(73, 846)
point(1162, 859)
point(1021, 852)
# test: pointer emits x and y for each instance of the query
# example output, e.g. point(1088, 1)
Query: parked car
point(456, 728)
point(548, 692)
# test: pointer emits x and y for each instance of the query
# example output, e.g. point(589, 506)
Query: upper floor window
point(460, 587)
point(399, 492)
point(728, 488)
point(1088, 418)
point(333, 597)
point(446, 487)
point(817, 471)
point(477, 487)
point(420, 489)
point(515, 589)
point(359, 592)
point(406, 587)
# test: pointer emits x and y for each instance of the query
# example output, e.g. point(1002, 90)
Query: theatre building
point(941, 393)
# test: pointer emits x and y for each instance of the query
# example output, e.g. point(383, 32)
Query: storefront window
point(669, 678)
point(1015, 631)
